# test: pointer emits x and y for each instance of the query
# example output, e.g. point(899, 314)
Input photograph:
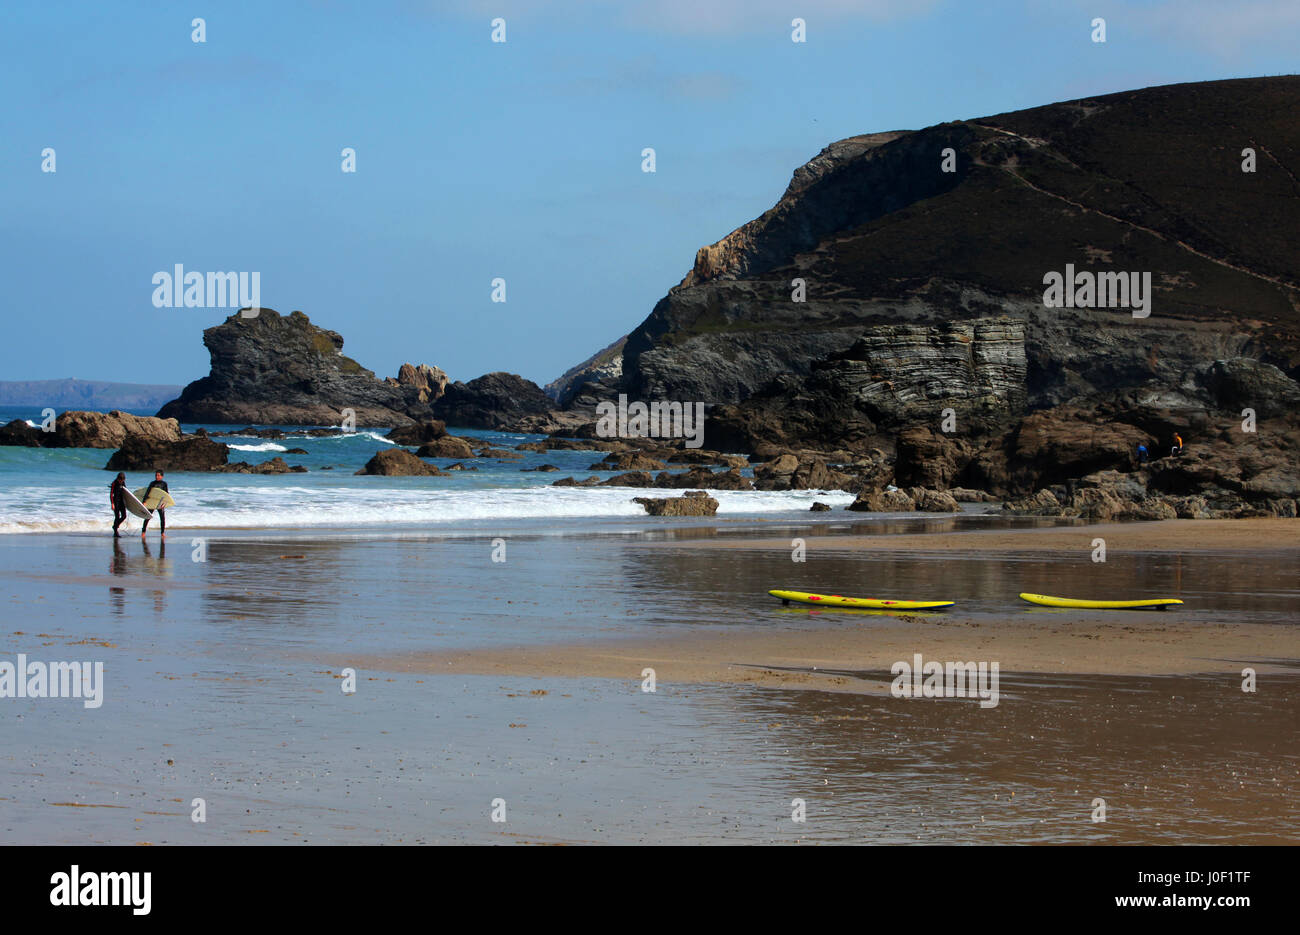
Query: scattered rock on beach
point(819, 507)
point(448, 446)
point(789, 471)
point(629, 479)
point(418, 434)
point(882, 501)
point(276, 465)
point(707, 456)
point(701, 477)
point(190, 453)
point(966, 495)
point(80, 429)
point(691, 503)
point(628, 461)
point(399, 462)
point(933, 501)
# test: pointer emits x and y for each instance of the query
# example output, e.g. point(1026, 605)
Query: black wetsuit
point(162, 514)
point(117, 494)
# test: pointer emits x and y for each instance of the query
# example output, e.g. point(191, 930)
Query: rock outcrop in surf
point(492, 401)
point(79, 429)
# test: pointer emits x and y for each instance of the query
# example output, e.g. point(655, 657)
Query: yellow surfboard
point(1045, 600)
point(153, 499)
point(835, 600)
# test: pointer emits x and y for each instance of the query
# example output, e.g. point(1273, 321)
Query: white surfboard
point(134, 505)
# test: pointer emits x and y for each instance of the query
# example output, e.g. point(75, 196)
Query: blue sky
point(478, 160)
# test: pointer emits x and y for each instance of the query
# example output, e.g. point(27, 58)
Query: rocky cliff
point(883, 237)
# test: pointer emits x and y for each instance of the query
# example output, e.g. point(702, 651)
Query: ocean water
point(65, 490)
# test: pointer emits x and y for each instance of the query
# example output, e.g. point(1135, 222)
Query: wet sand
point(817, 655)
point(523, 680)
point(1023, 639)
point(1225, 535)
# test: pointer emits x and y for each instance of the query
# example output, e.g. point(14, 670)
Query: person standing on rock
point(1142, 455)
point(1177, 449)
point(162, 514)
point(117, 500)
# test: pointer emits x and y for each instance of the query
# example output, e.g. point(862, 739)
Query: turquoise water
point(65, 490)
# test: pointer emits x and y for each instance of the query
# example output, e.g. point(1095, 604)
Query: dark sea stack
point(275, 369)
point(493, 401)
point(189, 453)
point(399, 462)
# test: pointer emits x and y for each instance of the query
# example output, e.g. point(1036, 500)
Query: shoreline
point(1255, 534)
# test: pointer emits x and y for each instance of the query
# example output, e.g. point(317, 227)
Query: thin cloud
point(1227, 29)
point(696, 18)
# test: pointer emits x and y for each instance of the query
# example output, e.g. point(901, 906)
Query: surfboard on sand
point(1045, 600)
point(836, 600)
point(153, 499)
point(134, 505)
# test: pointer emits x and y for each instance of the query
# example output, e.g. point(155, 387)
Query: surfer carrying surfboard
point(162, 514)
point(117, 500)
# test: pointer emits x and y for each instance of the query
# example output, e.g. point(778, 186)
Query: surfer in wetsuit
point(117, 500)
point(162, 514)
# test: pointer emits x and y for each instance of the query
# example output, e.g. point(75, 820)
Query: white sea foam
point(373, 436)
point(270, 506)
point(264, 446)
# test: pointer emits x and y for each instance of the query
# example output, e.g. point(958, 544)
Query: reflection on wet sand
point(524, 676)
point(1177, 760)
point(121, 565)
